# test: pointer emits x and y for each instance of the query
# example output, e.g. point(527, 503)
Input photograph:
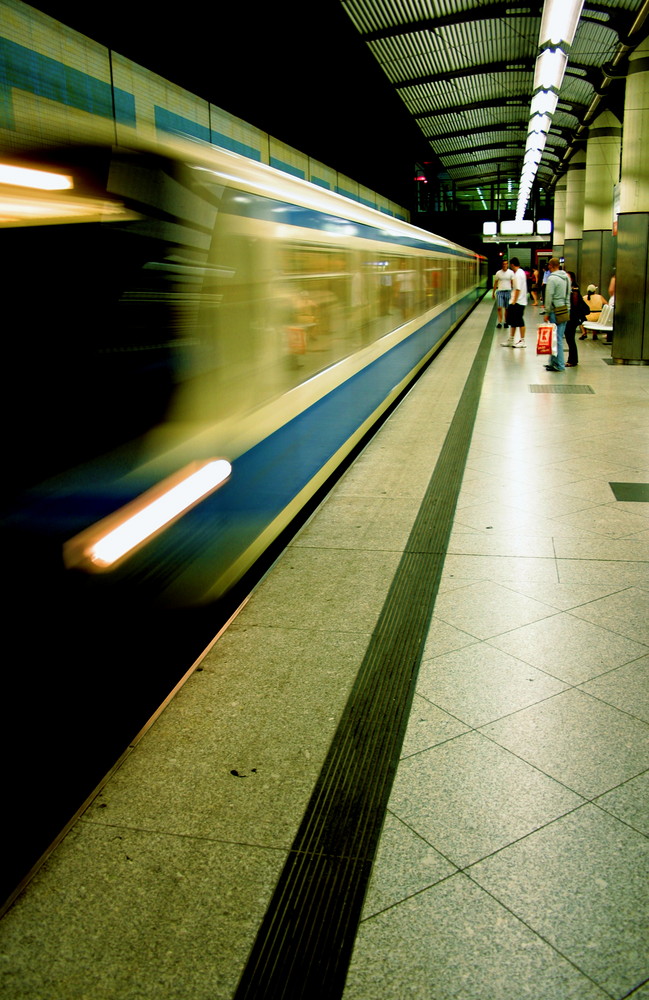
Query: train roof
point(261, 178)
point(271, 182)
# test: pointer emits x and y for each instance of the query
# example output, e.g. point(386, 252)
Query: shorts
point(502, 299)
point(516, 315)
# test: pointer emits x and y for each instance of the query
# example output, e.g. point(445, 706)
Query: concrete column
point(602, 174)
point(559, 222)
point(576, 180)
point(631, 332)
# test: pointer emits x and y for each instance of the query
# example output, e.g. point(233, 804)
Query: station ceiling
point(465, 68)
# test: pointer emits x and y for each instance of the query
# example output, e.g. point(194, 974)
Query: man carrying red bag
point(557, 310)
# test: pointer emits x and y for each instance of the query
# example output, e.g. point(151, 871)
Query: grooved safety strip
point(578, 389)
point(305, 941)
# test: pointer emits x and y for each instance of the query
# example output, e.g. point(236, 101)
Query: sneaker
point(507, 343)
point(519, 343)
point(499, 326)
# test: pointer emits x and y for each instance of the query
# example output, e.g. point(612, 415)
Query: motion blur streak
point(136, 528)
point(41, 179)
point(186, 303)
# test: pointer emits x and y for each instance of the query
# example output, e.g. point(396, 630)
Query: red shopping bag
point(296, 336)
point(544, 338)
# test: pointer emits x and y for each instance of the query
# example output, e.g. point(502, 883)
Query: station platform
point(416, 763)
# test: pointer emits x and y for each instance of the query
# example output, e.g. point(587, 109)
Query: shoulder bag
point(562, 313)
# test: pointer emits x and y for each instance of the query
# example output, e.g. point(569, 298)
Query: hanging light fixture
point(558, 26)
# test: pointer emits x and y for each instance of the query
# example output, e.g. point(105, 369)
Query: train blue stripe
point(268, 209)
point(266, 478)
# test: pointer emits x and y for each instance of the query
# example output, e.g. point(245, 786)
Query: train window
point(435, 279)
point(393, 283)
point(313, 292)
point(278, 306)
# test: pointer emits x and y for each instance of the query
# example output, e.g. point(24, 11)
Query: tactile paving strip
point(580, 389)
point(305, 941)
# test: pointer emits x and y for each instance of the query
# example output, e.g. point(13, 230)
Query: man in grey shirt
point(557, 295)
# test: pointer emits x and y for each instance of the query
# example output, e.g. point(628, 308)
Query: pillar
point(559, 219)
point(631, 330)
point(576, 178)
point(602, 174)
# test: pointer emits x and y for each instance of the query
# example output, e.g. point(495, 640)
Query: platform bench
point(603, 325)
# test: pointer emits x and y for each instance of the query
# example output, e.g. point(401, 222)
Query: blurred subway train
point(193, 345)
point(197, 341)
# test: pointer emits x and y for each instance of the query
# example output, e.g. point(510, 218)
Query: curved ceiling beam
point(450, 20)
point(465, 133)
point(464, 150)
point(525, 65)
point(505, 127)
point(522, 101)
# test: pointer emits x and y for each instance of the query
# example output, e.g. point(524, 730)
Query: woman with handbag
point(556, 303)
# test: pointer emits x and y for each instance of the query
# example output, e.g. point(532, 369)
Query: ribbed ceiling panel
point(477, 119)
point(465, 69)
point(445, 125)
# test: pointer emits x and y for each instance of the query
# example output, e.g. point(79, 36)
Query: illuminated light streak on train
point(42, 180)
point(139, 521)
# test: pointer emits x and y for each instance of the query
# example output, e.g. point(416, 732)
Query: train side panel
point(217, 309)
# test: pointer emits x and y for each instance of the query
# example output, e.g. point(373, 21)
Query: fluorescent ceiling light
point(540, 123)
point(559, 21)
point(558, 27)
point(544, 102)
point(535, 143)
point(517, 227)
point(531, 159)
point(550, 69)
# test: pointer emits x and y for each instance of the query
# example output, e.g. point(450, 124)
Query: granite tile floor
point(528, 773)
point(514, 857)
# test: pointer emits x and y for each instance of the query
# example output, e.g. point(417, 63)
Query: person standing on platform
point(544, 281)
point(502, 292)
point(534, 287)
point(556, 303)
point(516, 310)
point(578, 312)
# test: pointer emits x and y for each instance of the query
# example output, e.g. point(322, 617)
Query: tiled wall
point(57, 85)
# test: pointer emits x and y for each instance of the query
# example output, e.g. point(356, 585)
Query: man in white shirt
point(502, 292)
point(517, 306)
